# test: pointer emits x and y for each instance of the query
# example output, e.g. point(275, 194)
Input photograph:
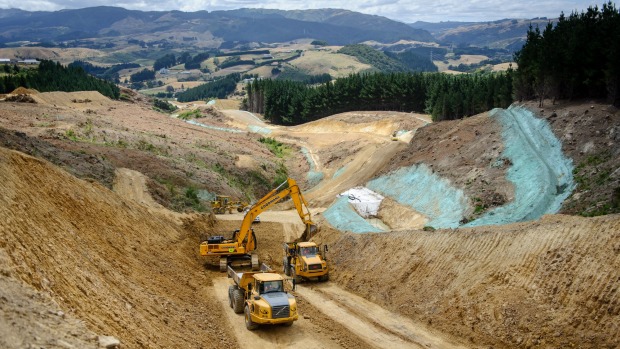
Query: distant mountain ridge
point(338, 27)
point(505, 33)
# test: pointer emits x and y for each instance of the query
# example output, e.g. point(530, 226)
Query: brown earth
point(173, 154)
point(100, 262)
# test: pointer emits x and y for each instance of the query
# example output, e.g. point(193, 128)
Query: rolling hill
point(104, 22)
point(502, 34)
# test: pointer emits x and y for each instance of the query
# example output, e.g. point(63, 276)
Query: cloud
point(403, 10)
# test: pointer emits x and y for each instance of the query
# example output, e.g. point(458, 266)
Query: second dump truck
point(262, 298)
point(304, 260)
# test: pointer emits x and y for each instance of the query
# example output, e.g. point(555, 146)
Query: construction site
point(470, 233)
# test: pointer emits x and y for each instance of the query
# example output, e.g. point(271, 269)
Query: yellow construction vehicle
point(223, 203)
point(304, 260)
point(262, 297)
point(243, 241)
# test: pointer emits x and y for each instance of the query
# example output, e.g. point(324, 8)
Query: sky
point(406, 11)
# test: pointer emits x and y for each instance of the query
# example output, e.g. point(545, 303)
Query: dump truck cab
point(304, 260)
point(262, 298)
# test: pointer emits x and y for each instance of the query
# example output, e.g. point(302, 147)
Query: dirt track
point(97, 262)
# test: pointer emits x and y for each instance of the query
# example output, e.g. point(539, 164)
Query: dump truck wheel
point(231, 290)
point(294, 276)
point(238, 302)
point(288, 324)
point(285, 267)
point(249, 324)
point(324, 277)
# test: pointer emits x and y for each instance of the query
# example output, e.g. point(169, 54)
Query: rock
point(109, 342)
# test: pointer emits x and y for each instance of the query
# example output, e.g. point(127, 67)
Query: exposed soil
point(80, 261)
point(171, 152)
point(546, 284)
point(590, 135)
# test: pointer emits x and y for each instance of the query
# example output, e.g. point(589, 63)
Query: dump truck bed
point(242, 279)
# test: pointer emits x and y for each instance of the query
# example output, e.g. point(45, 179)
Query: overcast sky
point(402, 10)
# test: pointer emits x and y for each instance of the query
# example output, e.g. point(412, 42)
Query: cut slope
point(540, 173)
point(106, 260)
point(547, 284)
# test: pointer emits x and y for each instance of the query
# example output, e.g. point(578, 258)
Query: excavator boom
point(244, 240)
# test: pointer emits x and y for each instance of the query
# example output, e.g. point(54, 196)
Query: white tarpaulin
point(365, 201)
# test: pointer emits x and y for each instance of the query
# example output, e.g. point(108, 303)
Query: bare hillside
point(546, 284)
point(104, 259)
point(90, 248)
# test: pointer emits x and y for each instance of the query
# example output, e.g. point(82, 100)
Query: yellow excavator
point(239, 248)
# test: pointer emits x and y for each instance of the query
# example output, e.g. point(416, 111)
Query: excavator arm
point(284, 190)
point(243, 241)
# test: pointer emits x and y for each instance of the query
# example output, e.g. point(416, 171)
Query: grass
point(190, 114)
point(277, 148)
point(592, 173)
point(194, 159)
point(70, 134)
point(335, 64)
point(149, 147)
point(583, 174)
point(206, 146)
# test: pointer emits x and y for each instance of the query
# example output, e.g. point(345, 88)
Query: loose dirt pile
point(104, 259)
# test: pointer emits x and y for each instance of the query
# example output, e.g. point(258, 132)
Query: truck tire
point(294, 276)
point(238, 301)
point(249, 324)
point(231, 290)
point(324, 277)
point(285, 267)
point(288, 324)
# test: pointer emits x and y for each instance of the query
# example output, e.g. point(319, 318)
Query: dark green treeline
point(51, 76)
point(444, 96)
point(579, 57)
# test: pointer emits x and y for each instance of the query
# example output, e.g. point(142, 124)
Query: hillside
point(101, 262)
point(106, 25)
point(503, 34)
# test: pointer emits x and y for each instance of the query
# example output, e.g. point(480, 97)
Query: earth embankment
point(106, 260)
point(551, 283)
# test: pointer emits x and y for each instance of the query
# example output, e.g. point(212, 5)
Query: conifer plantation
point(53, 76)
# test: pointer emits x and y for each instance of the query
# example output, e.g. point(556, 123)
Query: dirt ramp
point(106, 260)
point(546, 284)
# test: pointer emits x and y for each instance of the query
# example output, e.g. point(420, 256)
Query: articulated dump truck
point(262, 297)
point(304, 260)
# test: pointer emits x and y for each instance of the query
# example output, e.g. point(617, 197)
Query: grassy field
point(334, 64)
point(465, 59)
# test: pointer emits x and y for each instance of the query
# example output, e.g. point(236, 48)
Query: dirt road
point(378, 327)
point(358, 318)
